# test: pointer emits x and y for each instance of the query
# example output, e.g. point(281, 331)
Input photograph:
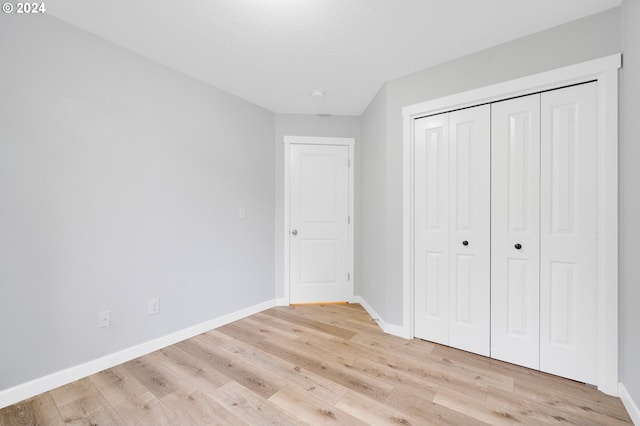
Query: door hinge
point(348, 277)
point(348, 162)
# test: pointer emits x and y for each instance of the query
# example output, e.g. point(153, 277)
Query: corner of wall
point(629, 404)
point(394, 330)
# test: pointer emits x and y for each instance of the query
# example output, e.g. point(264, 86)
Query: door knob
point(518, 246)
point(294, 232)
point(465, 243)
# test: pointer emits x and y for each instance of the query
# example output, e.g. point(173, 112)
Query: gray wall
point(120, 180)
point(630, 199)
point(372, 273)
point(309, 125)
point(582, 40)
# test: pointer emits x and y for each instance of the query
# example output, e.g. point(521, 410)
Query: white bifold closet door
point(515, 230)
point(452, 225)
point(568, 231)
point(544, 222)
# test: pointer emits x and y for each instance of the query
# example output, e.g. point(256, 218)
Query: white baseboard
point(282, 302)
point(43, 384)
point(629, 404)
point(395, 330)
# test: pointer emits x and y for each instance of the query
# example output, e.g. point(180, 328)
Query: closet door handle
point(518, 246)
point(465, 243)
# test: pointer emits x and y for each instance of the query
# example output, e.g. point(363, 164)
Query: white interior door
point(469, 229)
point(319, 224)
point(515, 230)
point(568, 226)
point(452, 208)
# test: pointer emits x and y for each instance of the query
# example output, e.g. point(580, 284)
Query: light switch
point(242, 213)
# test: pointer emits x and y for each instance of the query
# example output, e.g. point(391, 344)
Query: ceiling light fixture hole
point(317, 94)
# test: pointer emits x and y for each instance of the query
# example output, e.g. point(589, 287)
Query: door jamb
point(605, 72)
point(315, 140)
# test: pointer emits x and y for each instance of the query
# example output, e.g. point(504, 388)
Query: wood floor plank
point(312, 359)
point(214, 337)
point(379, 362)
point(238, 332)
point(422, 408)
point(38, 410)
point(91, 409)
point(373, 412)
point(533, 410)
point(310, 410)
point(378, 367)
point(18, 414)
point(578, 394)
point(322, 389)
point(480, 376)
point(81, 402)
point(45, 410)
point(528, 380)
point(118, 386)
point(345, 317)
point(586, 410)
point(294, 327)
point(73, 391)
point(197, 407)
point(250, 408)
point(319, 364)
point(260, 382)
point(299, 316)
point(194, 370)
point(159, 380)
point(152, 413)
point(479, 410)
point(267, 328)
point(133, 401)
point(415, 348)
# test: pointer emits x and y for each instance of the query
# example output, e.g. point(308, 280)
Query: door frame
point(316, 140)
point(605, 72)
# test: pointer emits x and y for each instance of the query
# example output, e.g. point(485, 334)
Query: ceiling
point(274, 53)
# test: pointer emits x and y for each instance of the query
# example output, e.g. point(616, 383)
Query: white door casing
point(515, 230)
point(568, 228)
point(318, 219)
point(452, 224)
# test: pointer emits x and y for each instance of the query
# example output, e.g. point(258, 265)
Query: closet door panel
point(515, 232)
point(568, 287)
point(431, 299)
point(469, 236)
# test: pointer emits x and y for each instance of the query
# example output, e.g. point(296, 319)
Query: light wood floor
point(326, 364)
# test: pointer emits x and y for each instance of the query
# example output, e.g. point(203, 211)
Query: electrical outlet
point(104, 319)
point(153, 306)
point(242, 213)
